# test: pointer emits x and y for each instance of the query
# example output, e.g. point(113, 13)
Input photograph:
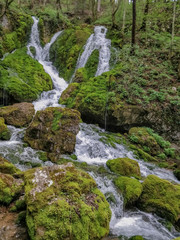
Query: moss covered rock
point(7, 167)
point(19, 114)
point(125, 167)
point(64, 203)
point(22, 77)
point(161, 197)
point(54, 130)
point(4, 131)
point(130, 188)
point(65, 51)
point(9, 188)
point(177, 238)
point(99, 99)
point(136, 238)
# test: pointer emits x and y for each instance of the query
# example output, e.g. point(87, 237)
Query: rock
point(9, 229)
point(7, 167)
point(54, 130)
point(125, 167)
point(22, 77)
point(19, 114)
point(9, 188)
point(131, 189)
point(65, 202)
point(161, 197)
point(98, 98)
point(4, 131)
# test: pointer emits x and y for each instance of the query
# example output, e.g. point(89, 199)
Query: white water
point(49, 98)
point(98, 41)
point(89, 147)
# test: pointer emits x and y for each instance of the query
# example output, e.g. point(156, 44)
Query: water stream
point(89, 145)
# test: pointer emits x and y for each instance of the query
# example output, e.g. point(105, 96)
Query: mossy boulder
point(125, 167)
point(54, 130)
point(176, 238)
point(64, 203)
point(18, 114)
point(9, 188)
point(99, 101)
point(131, 189)
point(65, 51)
point(136, 238)
point(4, 131)
point(7, 167)
point(161, 197)
point(22, 77)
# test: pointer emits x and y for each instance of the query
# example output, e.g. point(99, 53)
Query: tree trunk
point(115, 7)
point(124, 17)
point(134, 23)
point(173, 21)
point(146, 11)
point(99, 6)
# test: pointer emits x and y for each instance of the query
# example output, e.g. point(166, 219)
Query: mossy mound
point(7, 167)
point(65, 51)
point(9, 188)
point(104, 99)
point(22, 77)
point(150, 145)
point(4, 131)
point(64, 203)
point(130, 188)
point(54, 130)
point(176, 238)
point(19, 114)
point(161, 197)
point(16, 32)
point(124, 166)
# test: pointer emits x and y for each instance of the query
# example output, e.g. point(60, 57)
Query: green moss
point(9, 188)
point(161, 197)
point(136, 238)
point(71, 207)
point(21, 219)
point(23, 77)
point(92, 64)
point(124, 166)
point(7, 167)
point(4, 131)
point(130, 188)
point(67, 48)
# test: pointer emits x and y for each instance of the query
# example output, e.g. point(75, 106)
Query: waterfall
point(98, 41)
point(90, 147)
point(49, 98)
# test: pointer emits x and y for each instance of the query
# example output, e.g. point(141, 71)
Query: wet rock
point(131, 189)
point(7, 167)
point(65, 202)
point(9, 229)
point(124, 167)
point(161, 197)
point(54, 130)
point(18, 115)
point(4, 131)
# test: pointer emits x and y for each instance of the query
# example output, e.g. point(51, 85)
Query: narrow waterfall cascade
point(49, 98)
point(98, 41)
point(91, 145)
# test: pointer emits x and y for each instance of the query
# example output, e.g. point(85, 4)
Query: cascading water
point(98, 41)
point(49, 98)
point(90, 146)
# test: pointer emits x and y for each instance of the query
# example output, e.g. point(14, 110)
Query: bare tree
point(134, 23)
point(173, 22)
point(115, 7)
point(99, 6)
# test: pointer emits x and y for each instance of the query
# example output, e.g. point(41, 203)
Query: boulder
point(131, 189)
point(7, 167)
point(4, 131)
point(9, 188)
point(18, 114)
point(64, 203)
point(125, 167)
point(161, 197)
point(54, 130)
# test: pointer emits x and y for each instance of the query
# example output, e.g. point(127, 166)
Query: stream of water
point(89, 145)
